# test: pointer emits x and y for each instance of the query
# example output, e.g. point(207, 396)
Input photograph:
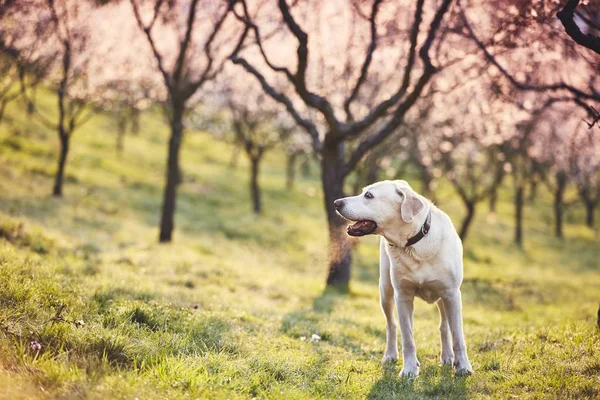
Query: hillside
point(229, 309)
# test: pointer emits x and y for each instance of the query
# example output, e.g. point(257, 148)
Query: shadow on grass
point(320, 319)
point(493, 294)
point(103, 208)
point(433, 382)
point(312, 320)
point(326, 301)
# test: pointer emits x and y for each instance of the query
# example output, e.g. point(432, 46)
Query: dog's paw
point(410, 370)
point(447, 359)
point(463, 368)
point(389, 358)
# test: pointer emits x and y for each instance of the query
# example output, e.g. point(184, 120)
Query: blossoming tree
point(190, 42)
point(320, 60)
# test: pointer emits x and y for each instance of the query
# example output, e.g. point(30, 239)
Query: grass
point(229, 310)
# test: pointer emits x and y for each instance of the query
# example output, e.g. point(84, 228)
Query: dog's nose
point(339, 203)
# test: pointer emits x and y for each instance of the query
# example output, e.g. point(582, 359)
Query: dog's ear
point(411, 204)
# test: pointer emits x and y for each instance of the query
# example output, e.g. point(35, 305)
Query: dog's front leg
point(386, 297)
point(453, 307)
point(410, 367)
point(391, 337)
point(447, 356)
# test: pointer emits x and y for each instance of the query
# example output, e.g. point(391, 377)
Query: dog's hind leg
point(453, 308)
point(386, 293)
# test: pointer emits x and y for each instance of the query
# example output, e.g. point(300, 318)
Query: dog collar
point(422, 232)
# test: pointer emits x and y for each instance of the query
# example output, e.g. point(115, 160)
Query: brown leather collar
point(422, 232)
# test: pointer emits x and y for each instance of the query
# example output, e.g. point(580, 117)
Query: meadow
point(91, 306)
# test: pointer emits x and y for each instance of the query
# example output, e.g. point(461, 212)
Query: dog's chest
point(415, 277)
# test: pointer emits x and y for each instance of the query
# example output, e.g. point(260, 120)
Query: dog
point(420, 256)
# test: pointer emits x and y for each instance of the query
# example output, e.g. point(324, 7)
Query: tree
point(473, 172)
point(567, 17)
point(517, 152)
point(559, 196)
point(522, 46)
point(584, 170)
point(324, 63)
point(297, 147)
point(71, 39)
point(253, 122)
point(469, 151)
point(189, 41)
point(22, 64)
point(256, 128)
point(588, 187)
point(9, 67)
point(59, 31)
point(125, 99)
point(553, 148)
point(10, 76)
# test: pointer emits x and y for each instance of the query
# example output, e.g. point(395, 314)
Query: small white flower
point(35, 346)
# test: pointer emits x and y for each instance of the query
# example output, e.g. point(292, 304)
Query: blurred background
point(167, 177)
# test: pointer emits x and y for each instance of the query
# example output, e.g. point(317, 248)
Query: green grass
point(229, 309)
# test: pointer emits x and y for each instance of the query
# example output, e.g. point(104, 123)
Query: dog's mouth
point(362, 228)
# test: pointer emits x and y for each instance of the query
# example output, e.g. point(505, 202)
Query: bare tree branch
point(247, 20)
point(578, 94)
point(368, 58)
point(567, 19)
point(311, 99)
point(157, 7)
point(398, 115)
point(381, 109)
point(179, 64)
point(209, 73)
point(282, 99)
point(148, 32)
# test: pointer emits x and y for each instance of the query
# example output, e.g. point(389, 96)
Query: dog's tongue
point(361, 228)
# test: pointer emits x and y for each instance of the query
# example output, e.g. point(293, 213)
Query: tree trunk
point(589, 214)
point(235, 155)
point(498, 178)
point(466, 224)
point(519, 192)
point(135, 121)
point(254, 185)
point(426, 180)
point(305, 166)
point(64, 138)
point(532, 190)
point(590, 204)
point(291, 170)
point(561, 184)
point(372, 173)
point(180, 176)
point(121, 125)
point(357, 182)
point(57, 191)
point(2, 108)
point(493, 199)
point(31, 101)
point(167, 223)
point(332, 180)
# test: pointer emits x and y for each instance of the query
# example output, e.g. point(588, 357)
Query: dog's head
point(380, 208)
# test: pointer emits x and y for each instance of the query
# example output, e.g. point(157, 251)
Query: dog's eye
point(368, 195)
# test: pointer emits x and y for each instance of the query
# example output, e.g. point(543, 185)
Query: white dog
point(420, 255)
